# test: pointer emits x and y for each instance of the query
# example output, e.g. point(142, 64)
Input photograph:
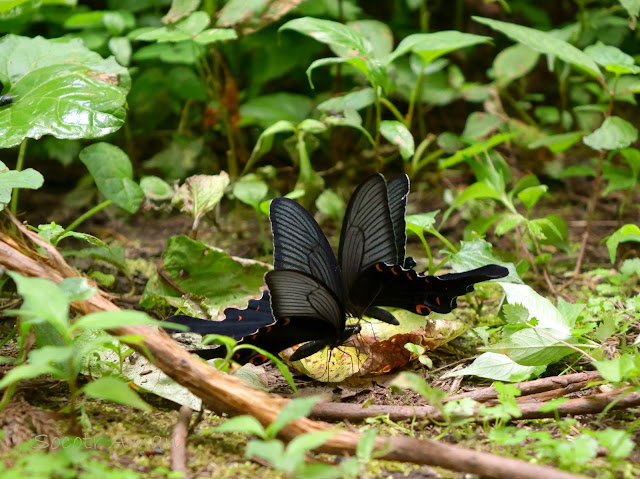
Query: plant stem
point(19, 164)
point(446, 242)
point(392, 108)
point(86, 216)
point(413, 98)
point(428, 250)
point(378, 107)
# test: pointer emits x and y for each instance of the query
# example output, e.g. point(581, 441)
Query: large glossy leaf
point(347, 41)
point(546, 43)
point(113, 174)
point(62, 89)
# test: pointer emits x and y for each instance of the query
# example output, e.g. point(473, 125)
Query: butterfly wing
point(237, 323)
point(397, 192)
point(367, 238)
point(404, 288)
point(300, 245)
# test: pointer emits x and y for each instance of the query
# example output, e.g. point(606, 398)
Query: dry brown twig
point(225, 394)
point(179, 442)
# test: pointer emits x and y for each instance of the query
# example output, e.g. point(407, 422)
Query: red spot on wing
point(423, 309)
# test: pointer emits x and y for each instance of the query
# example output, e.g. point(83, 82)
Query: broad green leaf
point(433, 45)
point(356, 62)
point(113, 174)
point(618, 442)
point(608, 56)
point(44, 360)
point(421, 222)
point(243, 424)
point(308, 442)
point(631, 6)
point(121, 49)
point(238, 11)
point(272, 451)
point(115, 390)
point(477, 253)
point(546, 43)
point(475, 191)
point(507, 223)
point(476, 149)
point(530, 196)
point(312, 126)
point(62, 89)
point(377, 33)
point(156, 188)
point(570, 311)
point(515, 314)
point(398, 134)
point(355, 100)
point(180, 9)
point(628, 232)
point(200, 194)
point(114, 319)
point(330, 204)
point(250, 192)
point(346, 40)
point(10, 179)
point(203, 270)
point(77, 289)
point(297, 408)
point(415, 383)
point(497, 367)
point(613, 134)
point(620, 369)
point(530, 347)
point(43, 301)
point(557, 143)
point(632, 157)
point(514, 62)
point(479, 125)
point(547, 315)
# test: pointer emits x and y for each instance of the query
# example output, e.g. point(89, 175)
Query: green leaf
point(557, 143)
point(619, 443)
point(570, 311)
point(337, 35)
point(399, 135)
point(421, 222)
point(628, 232)
point(203, 270)
point(297, 408)
point(474, 254)
point(250, 192)
point(115, 390)
point(63, 89)
point(515, 314)
point(330, 204)
point(156, 188)
point(479, 125)
point(115, 319)
point(43, 301)
point(433, 45)
point(614, 133)
point(243, 424)
point(200, 194)
point(44, 360)
point(113, 174)
point(507, 223)
point(514, 62)
point(548, 316)
point(530, 196)
point(77, 289)
point(529, 347)
point(546, 43)
point(180, 9)
point(497, 367)
point(121, 49)
point(415, 383)
point(278, 108)
point(608, 56)
point(265, 140)
point(355, 100)
point(620, 369)
point(475, 191)
point(308, 442)
point(476, 149)
point(10, 179)
point(351, 119)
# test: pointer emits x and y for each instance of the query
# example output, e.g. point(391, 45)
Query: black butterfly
point(312, 293)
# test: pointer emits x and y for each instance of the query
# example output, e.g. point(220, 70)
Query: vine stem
point(87, 215)
point(19, 164)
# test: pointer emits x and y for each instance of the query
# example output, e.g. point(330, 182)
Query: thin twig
point(179, 442)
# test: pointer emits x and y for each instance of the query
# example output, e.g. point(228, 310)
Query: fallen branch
point(225, 394)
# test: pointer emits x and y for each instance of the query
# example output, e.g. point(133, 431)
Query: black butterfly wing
point(367, 238)
point(404, 288)
point(397, 192)
point(300, 245)
point(237, 323)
